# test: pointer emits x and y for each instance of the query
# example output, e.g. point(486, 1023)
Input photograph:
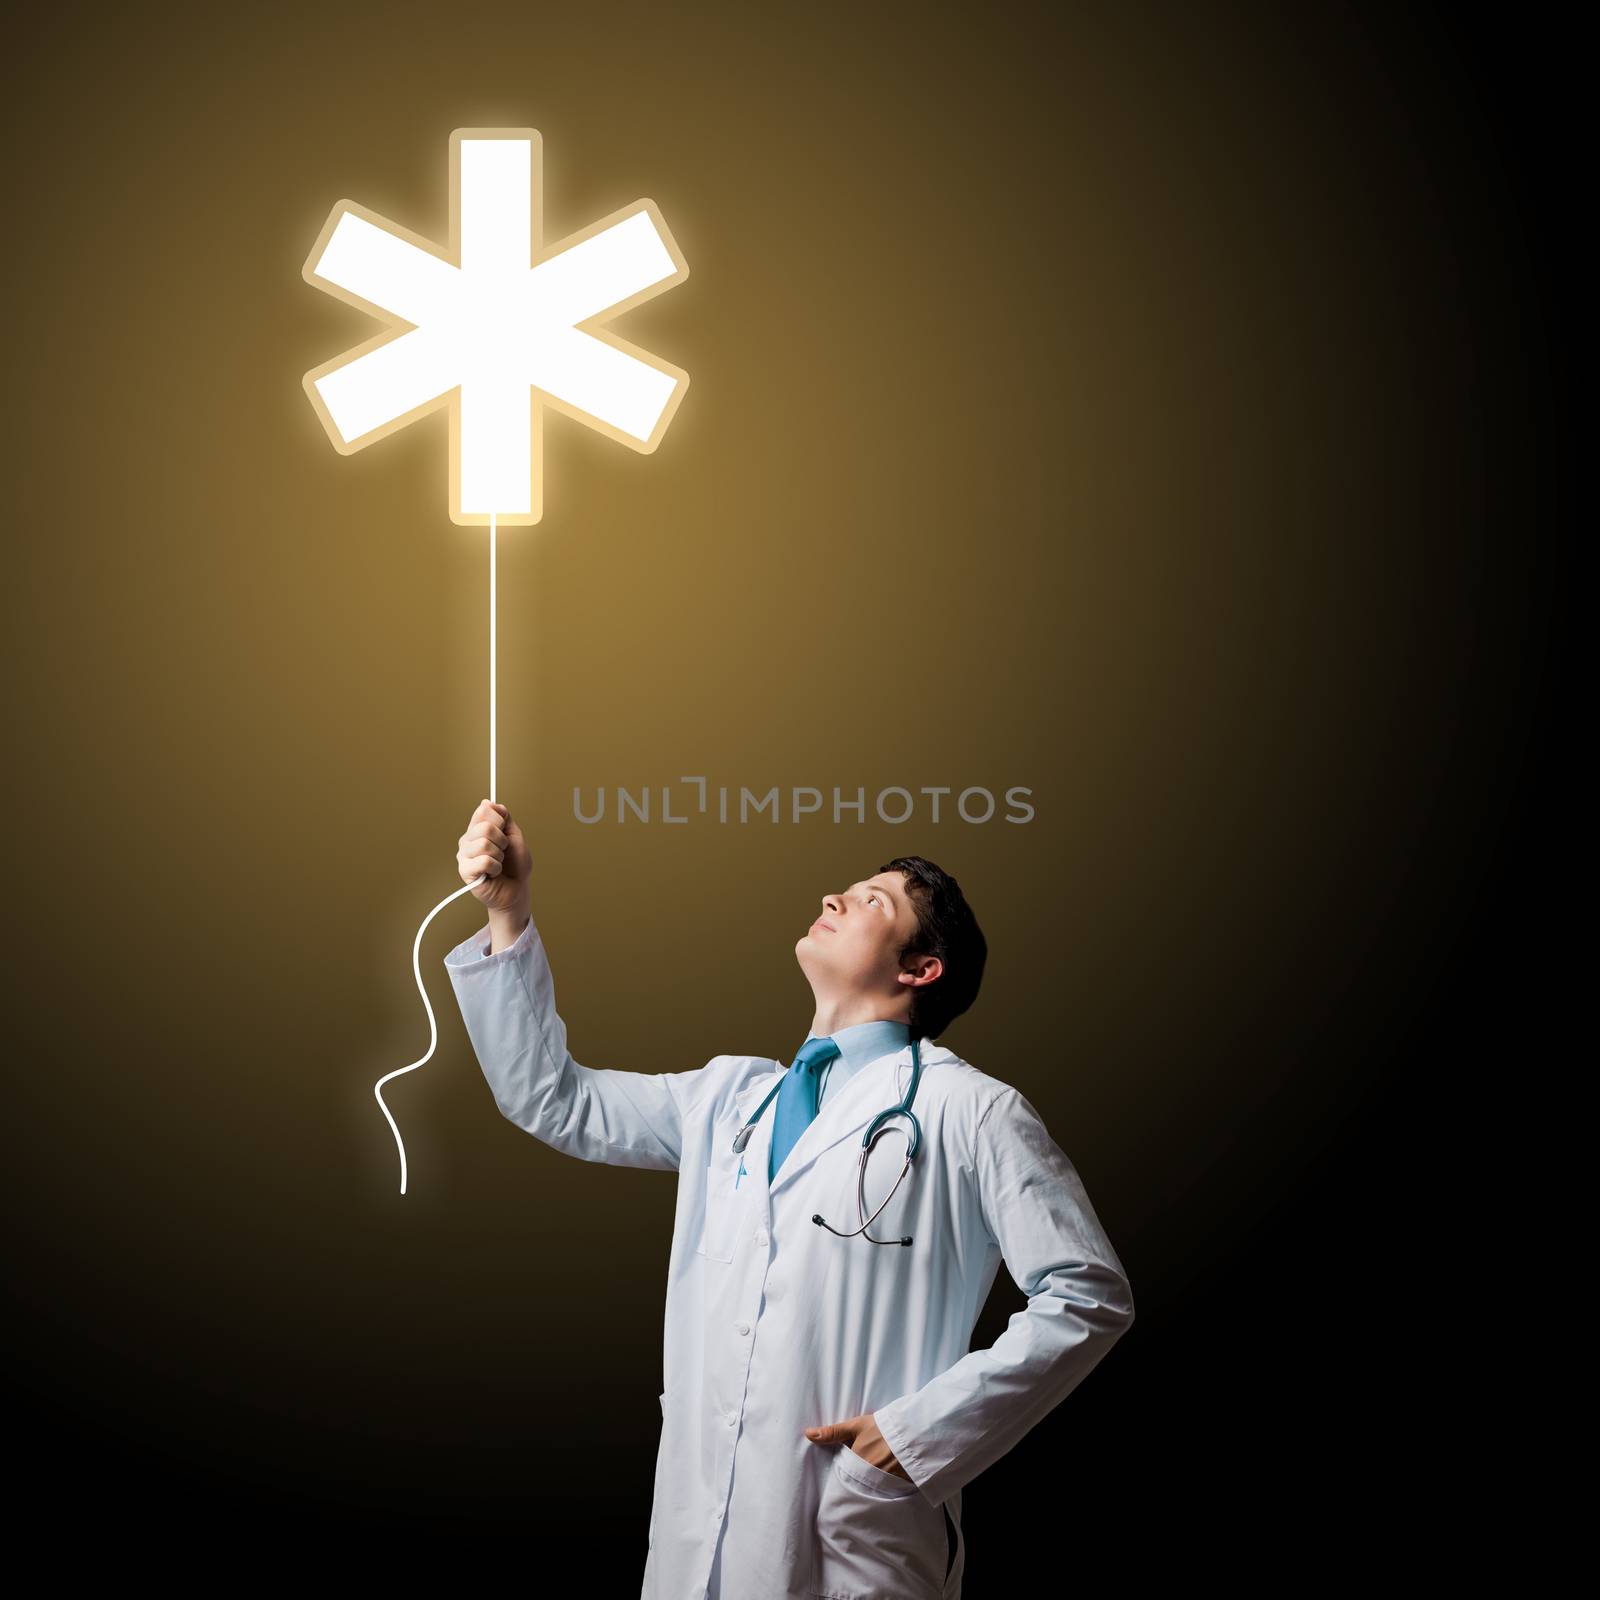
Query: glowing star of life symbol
point(496, 317)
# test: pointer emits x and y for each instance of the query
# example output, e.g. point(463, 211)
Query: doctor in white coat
point(822, 1411)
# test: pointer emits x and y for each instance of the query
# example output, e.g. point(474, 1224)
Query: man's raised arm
point(504, 987)
point(507, 999)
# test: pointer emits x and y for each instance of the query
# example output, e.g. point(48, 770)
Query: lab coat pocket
point(716, 1229)
point(876, 1535)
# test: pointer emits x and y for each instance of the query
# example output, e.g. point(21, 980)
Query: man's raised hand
point(493, 844)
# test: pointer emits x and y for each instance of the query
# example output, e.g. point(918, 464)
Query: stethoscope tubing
point(874, 1129)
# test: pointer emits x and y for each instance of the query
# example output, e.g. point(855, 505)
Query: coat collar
point(878, 1086)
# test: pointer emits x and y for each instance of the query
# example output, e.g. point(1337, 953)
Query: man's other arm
point(1079, 1304)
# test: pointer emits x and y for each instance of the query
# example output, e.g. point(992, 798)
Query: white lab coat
point(774, 1324)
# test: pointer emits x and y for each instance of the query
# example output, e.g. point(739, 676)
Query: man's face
point(853, 947)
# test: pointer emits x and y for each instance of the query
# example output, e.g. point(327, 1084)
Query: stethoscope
point(874, 1128)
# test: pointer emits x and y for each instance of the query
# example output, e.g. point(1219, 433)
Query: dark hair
point(946, 928)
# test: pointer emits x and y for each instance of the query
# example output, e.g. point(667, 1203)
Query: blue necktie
point(797, 1099)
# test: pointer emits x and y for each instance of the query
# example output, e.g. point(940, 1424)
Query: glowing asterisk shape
point(493, 322)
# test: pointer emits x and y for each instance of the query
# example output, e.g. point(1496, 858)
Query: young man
point(822, 1410)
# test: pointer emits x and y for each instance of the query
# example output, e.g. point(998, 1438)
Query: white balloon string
point(416, 945)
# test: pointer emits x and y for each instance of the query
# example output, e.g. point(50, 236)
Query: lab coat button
point(732, 1418)
point(761, 1238)
point(743, 1327)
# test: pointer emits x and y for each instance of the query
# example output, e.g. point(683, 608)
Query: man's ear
point(920, 971)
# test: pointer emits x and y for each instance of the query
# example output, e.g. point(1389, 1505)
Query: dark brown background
point(1146, 406)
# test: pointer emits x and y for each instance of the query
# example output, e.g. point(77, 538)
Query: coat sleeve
point(507, 1000)
point(1079, 1304)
